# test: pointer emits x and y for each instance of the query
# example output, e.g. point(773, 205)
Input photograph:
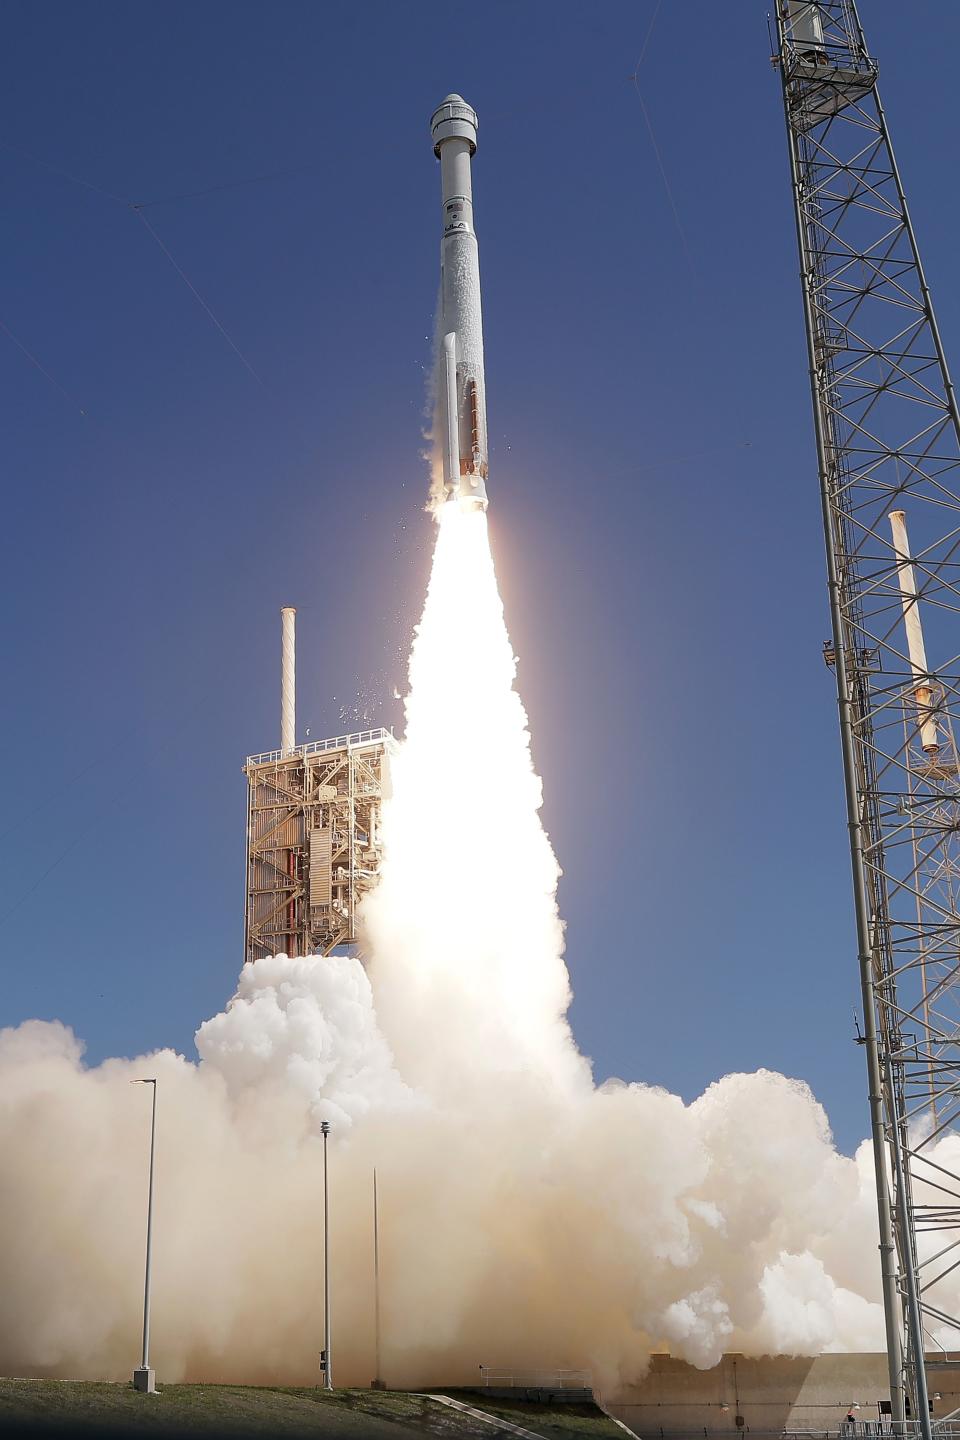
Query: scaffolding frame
point(888, 440)
point(313, 842)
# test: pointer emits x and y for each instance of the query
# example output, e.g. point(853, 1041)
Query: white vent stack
point(288, 680)
point(911, 621)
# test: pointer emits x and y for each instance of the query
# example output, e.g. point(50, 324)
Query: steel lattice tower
point(888, 445)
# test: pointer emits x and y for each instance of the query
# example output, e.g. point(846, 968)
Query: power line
point(663, 177)
point(646, 42)
point(635, 77)
point(80, 836)
point(65, 174)
point(198, 297)
point(43, 370)
point(138, 209)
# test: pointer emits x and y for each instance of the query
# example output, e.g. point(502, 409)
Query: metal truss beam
point(888, 445)
point(313, 846)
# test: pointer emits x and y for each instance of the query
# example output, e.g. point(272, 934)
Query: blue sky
point(654, 502)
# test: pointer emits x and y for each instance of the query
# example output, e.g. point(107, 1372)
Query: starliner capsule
point(461, 399)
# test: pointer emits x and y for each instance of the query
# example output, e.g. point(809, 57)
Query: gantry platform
point(313, 841)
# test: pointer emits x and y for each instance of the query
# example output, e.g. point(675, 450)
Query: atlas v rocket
point(461, 401)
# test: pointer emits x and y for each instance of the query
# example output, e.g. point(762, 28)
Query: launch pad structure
point(887, 432)
point(313, 832)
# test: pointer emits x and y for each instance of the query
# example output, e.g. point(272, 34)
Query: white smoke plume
point(528, 1218)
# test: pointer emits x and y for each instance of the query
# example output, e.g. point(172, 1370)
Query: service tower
point(313, 831)
point(887, 432)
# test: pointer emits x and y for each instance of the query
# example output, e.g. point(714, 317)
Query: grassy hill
point(58, 1408)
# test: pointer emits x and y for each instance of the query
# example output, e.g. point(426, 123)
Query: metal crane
point(888, 448)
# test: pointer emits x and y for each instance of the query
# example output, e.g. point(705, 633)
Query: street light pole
point(327, 1352)
point(144, 1379)
point(377, 1383)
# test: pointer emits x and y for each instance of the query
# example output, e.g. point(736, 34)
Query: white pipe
point(911, 621)
point(451, 454)
point(288, 680)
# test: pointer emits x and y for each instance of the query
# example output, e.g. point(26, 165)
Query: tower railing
point(355, 741)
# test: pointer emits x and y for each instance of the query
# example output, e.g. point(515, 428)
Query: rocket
point(461, 399)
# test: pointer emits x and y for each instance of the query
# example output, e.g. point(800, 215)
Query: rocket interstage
point(461, 395)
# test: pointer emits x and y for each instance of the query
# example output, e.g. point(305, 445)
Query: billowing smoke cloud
point(528, 1218)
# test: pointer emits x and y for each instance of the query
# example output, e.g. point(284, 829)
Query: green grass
point(556, 1422)
point(208, 1410)
point(88, 1408)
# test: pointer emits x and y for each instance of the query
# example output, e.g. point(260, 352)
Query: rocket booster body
point(461, 398)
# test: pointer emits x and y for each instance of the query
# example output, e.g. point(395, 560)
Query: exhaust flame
point(528, 1219)
point(463, 927)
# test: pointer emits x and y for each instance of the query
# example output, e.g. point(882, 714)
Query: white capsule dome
point(454, 119)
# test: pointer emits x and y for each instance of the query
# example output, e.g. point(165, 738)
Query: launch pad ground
point(58, 1408)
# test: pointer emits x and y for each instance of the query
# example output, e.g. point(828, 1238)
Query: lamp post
point(327, 1352)
point(144, 1379)
point(377, 1383)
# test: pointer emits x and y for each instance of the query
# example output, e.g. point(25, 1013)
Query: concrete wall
point(771, 1393)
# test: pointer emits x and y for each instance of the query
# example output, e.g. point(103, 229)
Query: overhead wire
point(658, 156)
point(648, 36)
point(198, 297)
point(42, 368)
point(65, 174)
point(32, 889)
point(137, 208)
point(61, 789)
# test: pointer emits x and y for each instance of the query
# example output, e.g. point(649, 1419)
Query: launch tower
point(888, 447)
point(313, 832)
